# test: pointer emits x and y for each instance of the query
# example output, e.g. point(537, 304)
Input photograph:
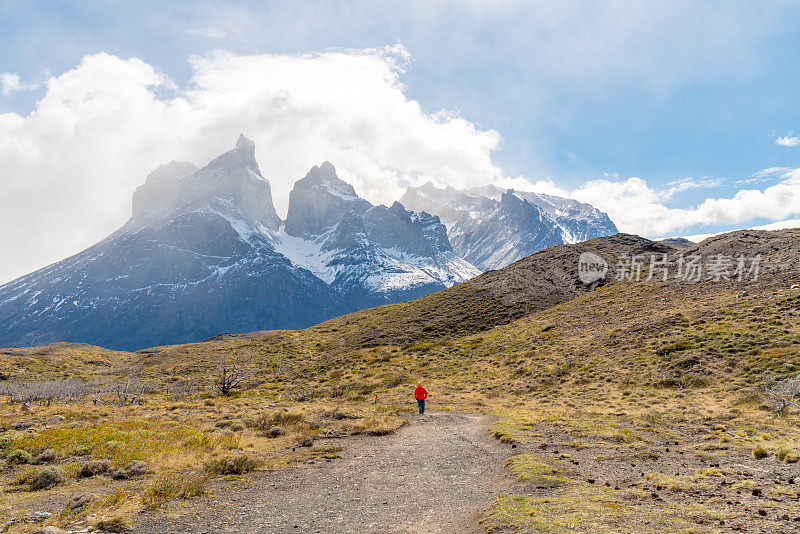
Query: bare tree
point(130, 388)
point(781, 394)
point(233, 370)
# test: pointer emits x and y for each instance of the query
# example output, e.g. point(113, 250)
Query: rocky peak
point(243, 155)
point(231, 185)
point(319, 200)
point(419, 234)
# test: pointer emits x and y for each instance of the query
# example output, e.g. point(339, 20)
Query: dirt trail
point(436, 474)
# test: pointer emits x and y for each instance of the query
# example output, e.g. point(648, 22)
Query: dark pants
point(421, 404)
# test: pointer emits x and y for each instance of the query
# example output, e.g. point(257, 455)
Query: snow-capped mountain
point(492, 227)
point(205, 252)
point(369, 254)
point(196, 259)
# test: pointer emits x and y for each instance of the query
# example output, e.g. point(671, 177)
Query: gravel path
point(436, 474)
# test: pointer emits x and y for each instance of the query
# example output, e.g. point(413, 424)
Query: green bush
point(19, 456)
point(48, 478)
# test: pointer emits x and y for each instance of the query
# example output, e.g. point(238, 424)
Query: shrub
point(19, 456)
point(46, 456)
point(48, 478)
point(759, 452)
point(231, 465)
point(266, 421)
point(136, 468)
point(93, 468)
point(237, 425)
point(276, 431)
point(26, 477)
point(6, 440)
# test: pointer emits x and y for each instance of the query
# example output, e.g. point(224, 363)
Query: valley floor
point(438, 473)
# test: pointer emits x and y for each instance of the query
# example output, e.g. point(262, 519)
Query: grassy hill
point(634, 406)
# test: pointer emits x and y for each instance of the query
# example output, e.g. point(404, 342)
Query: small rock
point(756, 492)
point(762, 512)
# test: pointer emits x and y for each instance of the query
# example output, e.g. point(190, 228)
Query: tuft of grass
point(759, 452)
point(231, 465)
point(169, 486)
point(378, 425)
point(530, 468)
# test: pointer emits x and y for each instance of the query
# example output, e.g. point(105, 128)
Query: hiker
point(421, 394)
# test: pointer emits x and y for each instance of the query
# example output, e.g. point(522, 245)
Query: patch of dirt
point(439, 473)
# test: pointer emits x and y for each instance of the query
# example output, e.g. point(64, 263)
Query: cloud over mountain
point(70, 165)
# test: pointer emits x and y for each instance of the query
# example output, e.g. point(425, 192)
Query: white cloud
point(779, 225)
point(12, 83)
point(638, 208)
point(686, 184)
point(69, 167)
point(788, 140)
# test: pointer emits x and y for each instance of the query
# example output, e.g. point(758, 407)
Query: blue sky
point(577, 91)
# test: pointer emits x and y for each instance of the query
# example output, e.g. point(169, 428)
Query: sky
point(677, 118)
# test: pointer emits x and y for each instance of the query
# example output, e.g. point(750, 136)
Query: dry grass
point(619, 368)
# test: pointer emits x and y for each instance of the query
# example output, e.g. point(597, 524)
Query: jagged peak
point(325, 176)
point(245, 144)
point(399, 209)
point(243, 155)
point(327, 168)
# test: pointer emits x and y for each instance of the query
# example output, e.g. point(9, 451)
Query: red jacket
point(420, 393)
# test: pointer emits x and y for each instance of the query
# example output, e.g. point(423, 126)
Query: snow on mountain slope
point(366, 252)
point(205, 252)
point(492, 227)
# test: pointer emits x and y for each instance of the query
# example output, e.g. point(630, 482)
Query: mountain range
point(205, 252)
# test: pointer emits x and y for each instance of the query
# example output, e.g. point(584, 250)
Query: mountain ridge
point(205, 252)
